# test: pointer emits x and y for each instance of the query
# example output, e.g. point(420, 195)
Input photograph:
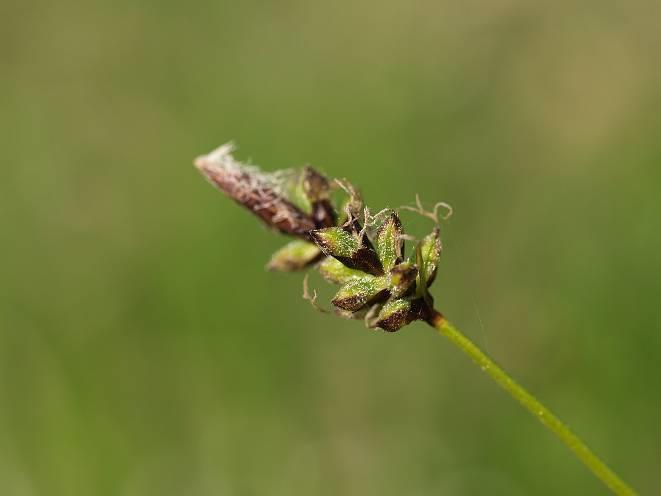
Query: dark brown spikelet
point(255, 190)
point(399, 313)
point(351, 248)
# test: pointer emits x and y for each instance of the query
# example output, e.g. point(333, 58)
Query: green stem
point(532, 404)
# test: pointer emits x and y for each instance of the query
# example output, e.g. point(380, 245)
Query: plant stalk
point(532, 404)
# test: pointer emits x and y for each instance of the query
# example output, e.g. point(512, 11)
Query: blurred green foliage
point(144, 350)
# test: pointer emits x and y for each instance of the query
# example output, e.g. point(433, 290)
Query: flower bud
point(349, 247)
point(336, 272)
point(402, 278)
point(428, 257)
point(358, 293)
point(389, 242)
point(296, 255)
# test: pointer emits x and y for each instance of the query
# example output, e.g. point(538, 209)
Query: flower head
point(364, 254)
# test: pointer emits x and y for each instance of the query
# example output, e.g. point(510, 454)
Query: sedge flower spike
point(365, 255)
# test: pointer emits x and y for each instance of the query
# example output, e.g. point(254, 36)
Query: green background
point(145, 351)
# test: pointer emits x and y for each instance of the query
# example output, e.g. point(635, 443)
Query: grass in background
point(132, 360)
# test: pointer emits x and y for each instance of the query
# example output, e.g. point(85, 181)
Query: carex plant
point(364, 254)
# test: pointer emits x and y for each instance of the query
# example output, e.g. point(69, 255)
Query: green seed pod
point(336, 272)
point(349, 247)
point(296, 255)
point(428, 254)
point(402, 278)
point(397, 313)
point(358, 293)
point(389, 243)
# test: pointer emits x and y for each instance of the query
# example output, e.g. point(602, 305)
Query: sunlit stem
point(530, 403)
